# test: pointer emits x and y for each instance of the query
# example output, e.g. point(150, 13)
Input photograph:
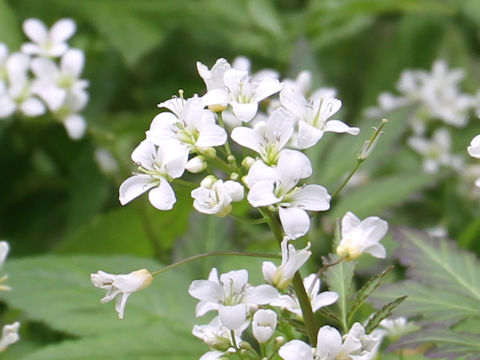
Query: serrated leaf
point(366, 290)
point(383, 313)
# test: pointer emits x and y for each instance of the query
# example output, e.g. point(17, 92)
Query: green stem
point(213, 253)
point(297, 282)
point(250, 221)
point(345, 182)
point(222, 124)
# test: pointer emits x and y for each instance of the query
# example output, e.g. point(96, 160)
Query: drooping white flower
point(436, 151)
point(158, 166)
point(216, 198)
point(267, 138)
point(278, 186)
point(53, 81)
point(189, 124)
point(312, 115)
point(45, 42)
point(292, 261)
point(355, 346)
point(231, 296)
point(9, 335)
point(264, 324)
point(317, 299)
point(242, 93)
point(123, 285)
point(359, 236)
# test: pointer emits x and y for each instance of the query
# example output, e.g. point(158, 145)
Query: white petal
point(268, 270)
point(324, 299)
point(144, 154)
point(32, 107)
point(204, 307)
point(72, 62)
point(267, 86)
point(261, 194)
point(62, 30)
point(162, 197)
point(176, 160)
point(134, 186)
point(295, 221)
point(232, 316)
point(329, 343)
point(260, 295)
point(373, 228)
point(311, 197)
point(376, 250)
point(308, 135)
point(235, 280)
point(280, 127)
point(44, 68)
point(35, 30)
point(474, 148)
point(294, 102)
point(7, 106)
point(211, 135)
point(235, 190)
point(292, 166)
point(75, 125)
point(340, 127)
point(296, 350)
point(215, 97)
point(349, 222)
point(245, 112)
point(248, 138)
point(206, 290)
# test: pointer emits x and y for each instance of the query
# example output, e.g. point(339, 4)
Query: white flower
point(267, 138)
point(4, 249)
point(196, 164)
point(312, 116)
point(231, 296)
point(216, 198)
point(362, 236)
point(159, 165)
point(55, 81)
point(242, 93)
point(317, 299)
point(474, 148)
point(243, 63)
point(398, 327)
point(356, 346)
point(47, 43)
point(19, 95)
point(292, 261)
point(123, 285)
point(264, 324)
point(188, 124)
point(213, 77)
point(216, 335)
point(106, 161)
point(277, 186)
point(435, 151)
point(9, 335)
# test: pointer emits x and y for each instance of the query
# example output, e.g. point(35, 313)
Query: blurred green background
point(60, 211)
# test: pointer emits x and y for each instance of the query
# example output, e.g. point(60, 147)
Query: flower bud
point(196, 164)
point(248, 162)
point(208, 181)
point(208, 152)
point(234, 176)
point(217, 108)
point(264, 324)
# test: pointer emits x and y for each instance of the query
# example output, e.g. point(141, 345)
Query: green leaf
point(366, 290)
point(383, 313)
point(381, 193)
point(10, 30)
point(339, 279)
point(443, 288)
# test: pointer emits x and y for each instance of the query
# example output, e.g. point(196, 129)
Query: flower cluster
point(45, 75)
point(432, 96)
point(247, 135)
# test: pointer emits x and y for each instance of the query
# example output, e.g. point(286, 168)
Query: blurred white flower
point(436, 151)
point(264, 324)
point(312, 115)
point(292, 261)
point(45, 42)
point(359, 236)
point(398, 327)
point(123, 285)
point(4, 249)
point(217, 198)
point(9, 335)
point(105, 160)
point(231, 296)
point(474, 148)
point(158, 166)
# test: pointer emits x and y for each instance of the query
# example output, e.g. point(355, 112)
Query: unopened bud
point(208, 152)
point(208, 181)
point(234, 176)
point(279, 341)
point(248, 162)
point(370, 144)
point(231, 158)
point(196, 164)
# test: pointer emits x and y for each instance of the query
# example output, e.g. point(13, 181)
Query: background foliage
point(60, 211)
